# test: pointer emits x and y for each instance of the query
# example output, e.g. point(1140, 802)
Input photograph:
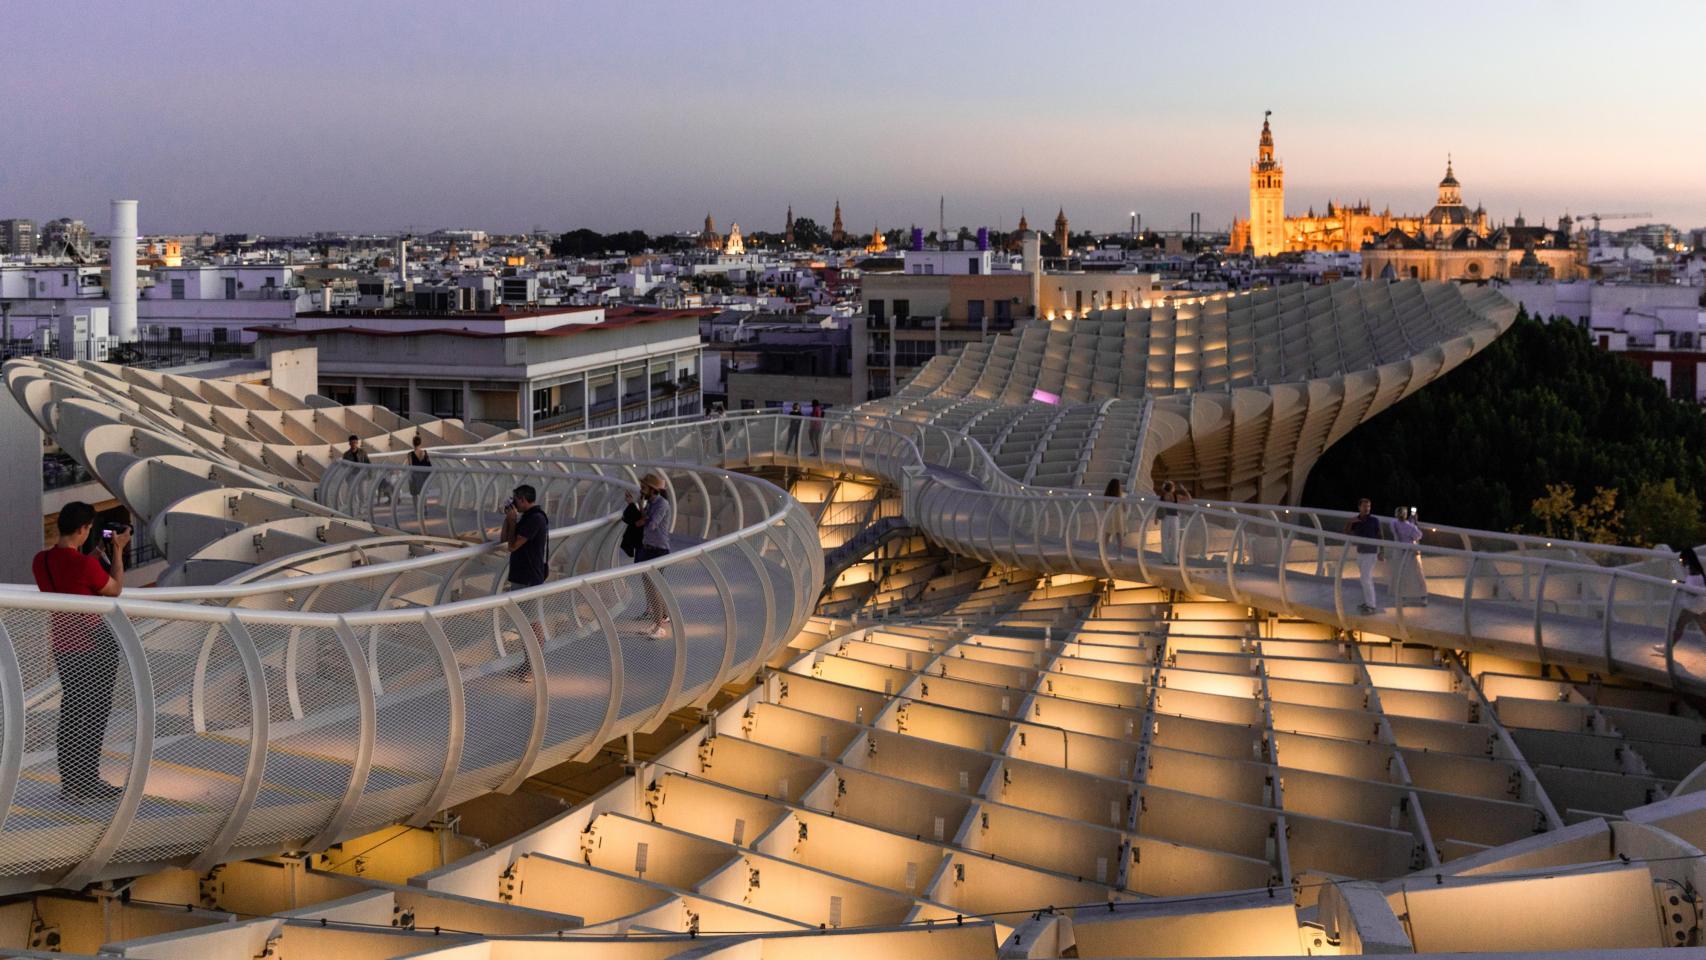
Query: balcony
point(59, 471)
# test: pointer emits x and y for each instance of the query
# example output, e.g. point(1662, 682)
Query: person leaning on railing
point(85, 654)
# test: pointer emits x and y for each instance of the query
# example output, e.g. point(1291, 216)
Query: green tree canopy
point(1543, 405)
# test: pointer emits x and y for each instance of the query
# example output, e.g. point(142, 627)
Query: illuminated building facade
point(1344, 227)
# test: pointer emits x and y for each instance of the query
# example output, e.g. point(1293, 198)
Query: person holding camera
point(657, 514)
point(85, 653)
point(1409, 583)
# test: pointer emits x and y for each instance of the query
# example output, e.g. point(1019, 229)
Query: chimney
point(1032, 256)
point(121, 264)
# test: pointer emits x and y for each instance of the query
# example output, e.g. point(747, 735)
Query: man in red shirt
point(84, 652)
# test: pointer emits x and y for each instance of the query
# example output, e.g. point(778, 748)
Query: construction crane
point(1597, 217)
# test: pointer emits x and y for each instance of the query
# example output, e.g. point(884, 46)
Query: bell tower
point(1267, 197)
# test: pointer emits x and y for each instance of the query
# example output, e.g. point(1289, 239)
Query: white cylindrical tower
point(121, 261)
point(1031, 257)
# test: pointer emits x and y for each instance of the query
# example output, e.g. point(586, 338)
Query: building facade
point(1518, 251)
point(18, 237)
point(537, 369)
point(1344, 227)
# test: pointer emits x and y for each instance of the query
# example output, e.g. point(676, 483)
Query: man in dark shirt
point(355, 454)
point(1367, 526)
point(85, 654)
point(526, 534)
point(526, 530)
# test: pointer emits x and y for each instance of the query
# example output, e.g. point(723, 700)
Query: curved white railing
point(296, 709)
point(1604, 608)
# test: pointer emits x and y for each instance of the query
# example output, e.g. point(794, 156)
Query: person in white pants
point(1367, 526)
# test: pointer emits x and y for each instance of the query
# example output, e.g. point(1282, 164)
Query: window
point(220, 334)
point(230, 288)
point(875, 309)
point(972, 266)
point(1078, 301)
point(175, 334)
point(974, 311)
point(1003, 309)
point(177, 289)
point(902, 309)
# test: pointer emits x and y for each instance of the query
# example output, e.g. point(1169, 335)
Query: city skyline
point(388, 117)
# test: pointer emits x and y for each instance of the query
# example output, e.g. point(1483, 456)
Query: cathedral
point(1344, 227)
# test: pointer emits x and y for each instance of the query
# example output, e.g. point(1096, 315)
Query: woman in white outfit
point(1409, 584)
point(1690, 607)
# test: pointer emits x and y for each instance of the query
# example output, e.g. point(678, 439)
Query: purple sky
point(286, 117)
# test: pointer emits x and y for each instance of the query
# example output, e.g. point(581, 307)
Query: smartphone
point(106, 534)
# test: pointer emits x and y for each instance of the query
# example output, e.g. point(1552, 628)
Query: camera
point(508, 504)
point(108, 530)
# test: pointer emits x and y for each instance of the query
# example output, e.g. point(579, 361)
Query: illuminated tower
point(788, 228)
point(837, 235)
point(1267, 197)
point(1061, 234)
point(1450, 191)
point(879, 243)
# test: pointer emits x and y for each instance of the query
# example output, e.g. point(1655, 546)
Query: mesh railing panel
point(201, 740)
point(412, 730)
point(79, 725)
point(702, 618)
point(311, 750)
point(498, 697)
point(577, 672)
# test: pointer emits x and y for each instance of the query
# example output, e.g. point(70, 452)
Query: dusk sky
point(291, 117)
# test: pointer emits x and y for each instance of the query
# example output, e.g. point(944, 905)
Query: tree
point(808, 234)
point(1661, 513)
point(1542, 405)
point(578, 243)
point(590, 243)
point(1596, 520)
